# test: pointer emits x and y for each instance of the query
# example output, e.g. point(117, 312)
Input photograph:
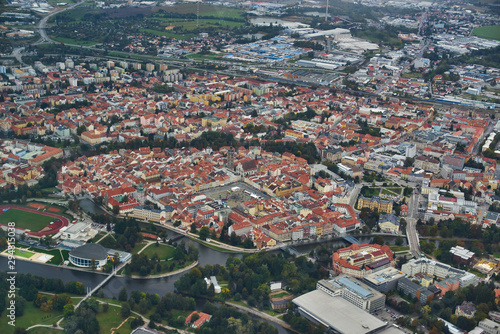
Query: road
point(44, 38)
point(411, 226)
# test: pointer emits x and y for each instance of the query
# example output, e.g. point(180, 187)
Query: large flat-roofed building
point(354, 291)
point(336, 314)
point(384, 280)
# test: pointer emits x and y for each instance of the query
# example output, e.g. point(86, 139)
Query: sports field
point(25, 220)
point(488, 32)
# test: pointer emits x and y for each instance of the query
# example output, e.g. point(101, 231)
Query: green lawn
point(497, 255)
point(163, 251)
point(279, 295)
point(488, 32)
point(31, 316)
point(192, 24)
point(111, 319)
point(45, 330)
point(98, 237)
point(204, 10)
point(73, 41)
point(138, 247)
point(25, 220)
point(57, 258)
point(168, 34)
point(399, 248)
point(390, 192)
point(23, 253)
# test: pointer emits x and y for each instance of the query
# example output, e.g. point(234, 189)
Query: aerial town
point(250, 167)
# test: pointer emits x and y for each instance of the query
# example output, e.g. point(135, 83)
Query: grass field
point(168, 34)
point(399, 248)
point(72, 41)
point(109, 319)
point(23, 253)
point(279, 295)
point(32, 316)
point(189, 24)
point(25, 220)
point(204, 10)
point(163, 251)
point(44, 330)
point(488, 32)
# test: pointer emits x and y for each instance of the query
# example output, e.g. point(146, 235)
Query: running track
point(54, 228)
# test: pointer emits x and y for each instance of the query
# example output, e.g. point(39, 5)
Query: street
point(411, 226)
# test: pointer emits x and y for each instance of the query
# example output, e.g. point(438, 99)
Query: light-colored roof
point(337, 313)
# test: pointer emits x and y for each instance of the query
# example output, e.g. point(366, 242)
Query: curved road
point(43, 23)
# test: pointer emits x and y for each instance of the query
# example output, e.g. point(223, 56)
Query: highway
point(44, 38)
point(411, 226)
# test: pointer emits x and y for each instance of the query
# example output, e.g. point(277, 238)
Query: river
point(155, 285)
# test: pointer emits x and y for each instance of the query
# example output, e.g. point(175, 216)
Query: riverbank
point(172, 273)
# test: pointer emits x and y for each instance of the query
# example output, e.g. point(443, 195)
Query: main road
point(411, 226)
point(43, 23)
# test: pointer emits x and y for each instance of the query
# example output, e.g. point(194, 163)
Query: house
point(197, 319)
point(466, 309)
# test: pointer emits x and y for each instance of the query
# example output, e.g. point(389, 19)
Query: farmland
point(488, 32)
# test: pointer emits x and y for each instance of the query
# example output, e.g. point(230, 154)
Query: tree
point(123, 295)
point(116, 209)
point(68, 310)
point(204, 233)
point(125, 311)
point(93, 264)
point(193, 228)
point(399, 241)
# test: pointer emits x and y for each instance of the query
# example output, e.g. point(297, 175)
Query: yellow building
point(375, 203)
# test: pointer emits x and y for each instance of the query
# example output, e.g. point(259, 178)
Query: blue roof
point(357, 289)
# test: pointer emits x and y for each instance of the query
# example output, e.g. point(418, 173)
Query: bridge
point(177, 237)
point(292, 250)
point(351, 239)
point(100, 285)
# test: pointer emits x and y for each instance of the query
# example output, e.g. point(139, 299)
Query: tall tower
point(230, 159)
point(326, 13)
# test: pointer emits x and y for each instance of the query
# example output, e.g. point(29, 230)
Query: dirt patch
point(54, 209)
point(37, 206)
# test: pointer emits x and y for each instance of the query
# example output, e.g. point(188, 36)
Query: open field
point(163, 251)
point(190, 24)
point(25, 220)
point(111, 319)
point(488, 32)
point(72, 41)
point(204, 10)
point(167, 33)
point(44, 330)
point(32, 316)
